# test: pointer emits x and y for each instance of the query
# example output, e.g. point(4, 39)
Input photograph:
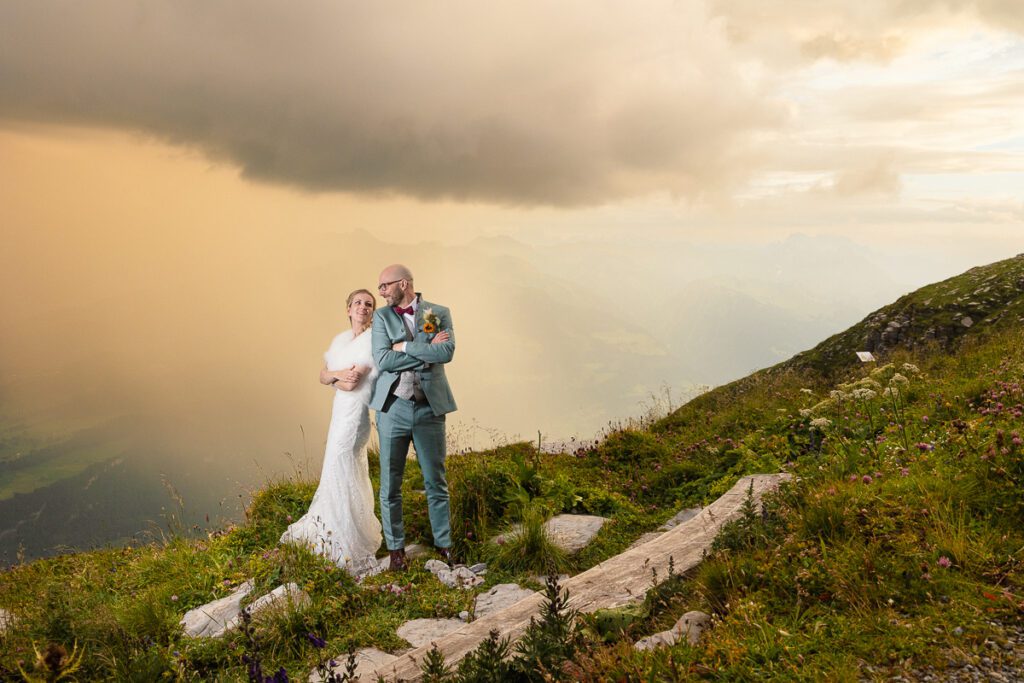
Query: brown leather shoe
point(398, 563)
point(445, 553)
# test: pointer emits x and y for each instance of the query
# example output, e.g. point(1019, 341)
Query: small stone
point(435, 566)
point(966, 321)
point(480, 568)
point(464, 615)
point(958, 631)
point(421, 632)
point(460, 577)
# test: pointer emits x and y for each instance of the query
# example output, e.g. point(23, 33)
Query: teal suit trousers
point(403, 422)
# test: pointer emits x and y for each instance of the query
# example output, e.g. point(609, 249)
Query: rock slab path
point(618, 581)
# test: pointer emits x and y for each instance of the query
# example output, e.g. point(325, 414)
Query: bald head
point(396, 271)
point(395, 285)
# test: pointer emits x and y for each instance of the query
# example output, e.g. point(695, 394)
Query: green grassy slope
point(900, 546)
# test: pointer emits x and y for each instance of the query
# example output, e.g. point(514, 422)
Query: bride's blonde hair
point(352, 296)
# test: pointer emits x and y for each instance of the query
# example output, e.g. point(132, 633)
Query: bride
point(340, 523)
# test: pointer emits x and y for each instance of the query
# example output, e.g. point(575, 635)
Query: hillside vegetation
point(898, 549)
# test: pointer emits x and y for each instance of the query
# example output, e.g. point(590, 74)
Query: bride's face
point(361, 310)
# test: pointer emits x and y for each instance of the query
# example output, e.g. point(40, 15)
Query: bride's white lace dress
point(341, 524)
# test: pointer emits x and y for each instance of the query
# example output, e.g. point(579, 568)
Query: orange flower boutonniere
point(431, 323)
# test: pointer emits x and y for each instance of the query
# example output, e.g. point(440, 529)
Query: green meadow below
point(897, 550)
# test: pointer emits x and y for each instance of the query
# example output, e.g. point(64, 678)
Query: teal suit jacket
point(426, 359)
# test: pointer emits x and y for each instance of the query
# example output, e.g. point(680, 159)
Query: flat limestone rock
point(421, 632)
point(216, 618)
point(212, 620)
point(499, 597)
point(573, 533)
point(284, 596)
point(368, 660)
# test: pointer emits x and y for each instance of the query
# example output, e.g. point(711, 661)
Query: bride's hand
point(440, 337)
point(326, 376)
point(352, 375)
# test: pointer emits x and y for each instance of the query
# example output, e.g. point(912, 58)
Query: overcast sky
point(166, 162)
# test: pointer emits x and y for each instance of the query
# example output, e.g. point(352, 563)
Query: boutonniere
point(431, 323)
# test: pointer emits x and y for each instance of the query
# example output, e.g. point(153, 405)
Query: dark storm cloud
point(532, 103)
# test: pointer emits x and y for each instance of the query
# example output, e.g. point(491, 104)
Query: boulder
point(425, 631)
point(6, 620)
point(498, 598)
point(368, 660)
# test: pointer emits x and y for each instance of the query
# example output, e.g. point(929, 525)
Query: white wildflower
point(821, 422)
point(838, 396)
point(805, 412)
point(911, 368)
point(807, 391)
point(864, 394)
point(898, 380)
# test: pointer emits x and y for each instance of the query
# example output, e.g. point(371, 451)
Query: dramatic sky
point(612, 197)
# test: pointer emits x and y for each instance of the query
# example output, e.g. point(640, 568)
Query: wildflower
point(925, 447)
point(924, 418)
point(863, 394)
point(821, 422)
point(174, 598)
point(898, 380)
point(866, 479)
point(838, 396)
point(318, 642)
point(805, 412)
point(905, 471)
point(289, 518)
point(910, 368)
point(944, 562)
point(853, 478)
point(807, 391)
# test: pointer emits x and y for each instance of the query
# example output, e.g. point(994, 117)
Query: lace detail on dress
point(340, 523)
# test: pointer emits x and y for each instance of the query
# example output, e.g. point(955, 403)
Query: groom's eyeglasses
point(384, 285)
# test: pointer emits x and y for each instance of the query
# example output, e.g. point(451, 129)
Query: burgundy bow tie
point(402, 311)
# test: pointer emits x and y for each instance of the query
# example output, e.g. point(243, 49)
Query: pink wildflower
point(866, 479)
point(853, 478)
point(905, 471)
point(944, 562)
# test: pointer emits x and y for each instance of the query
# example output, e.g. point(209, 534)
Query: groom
point(411, 397)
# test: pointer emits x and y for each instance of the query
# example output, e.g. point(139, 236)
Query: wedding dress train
point(341, 524)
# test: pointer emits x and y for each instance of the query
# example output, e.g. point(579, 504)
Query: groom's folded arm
point(388, 360)
point(435, 353)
